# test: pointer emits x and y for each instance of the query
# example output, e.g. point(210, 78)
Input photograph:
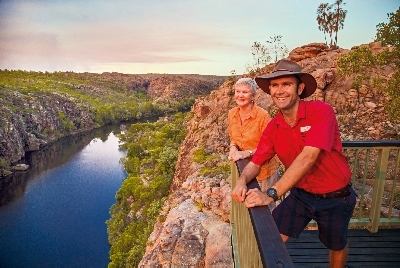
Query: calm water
point(54, 215)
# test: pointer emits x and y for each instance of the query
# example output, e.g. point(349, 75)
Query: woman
point(246, 123)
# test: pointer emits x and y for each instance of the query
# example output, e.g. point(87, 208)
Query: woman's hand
point(239, 192)
point(235, 154)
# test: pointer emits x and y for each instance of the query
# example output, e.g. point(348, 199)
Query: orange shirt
point(247, 135)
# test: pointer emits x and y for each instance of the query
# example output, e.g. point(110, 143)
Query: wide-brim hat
point(286, 68)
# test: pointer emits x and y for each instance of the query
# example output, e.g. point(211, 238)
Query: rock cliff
point(39, 108)
point(196, 231)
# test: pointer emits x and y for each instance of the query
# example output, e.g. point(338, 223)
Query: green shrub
point(360, 60)
point(199, 155)
point(224, 170)
point(152, 152)
point(3, 163)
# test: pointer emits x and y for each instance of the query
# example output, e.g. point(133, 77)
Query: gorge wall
point(40, 108)
point(196, 231)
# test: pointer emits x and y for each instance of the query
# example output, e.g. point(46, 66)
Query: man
point(305, 136)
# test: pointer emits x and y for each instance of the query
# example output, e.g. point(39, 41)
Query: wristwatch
point(271, 192)
point(251, 152)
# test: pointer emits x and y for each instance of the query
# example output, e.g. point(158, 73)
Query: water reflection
point(14, 186)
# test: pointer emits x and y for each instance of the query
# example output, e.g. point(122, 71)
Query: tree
point(330, 19)
point(389, 35)
point(338, 17)
point(261, 53)
point(278, 48)
point(323, 19)
point(260, 56)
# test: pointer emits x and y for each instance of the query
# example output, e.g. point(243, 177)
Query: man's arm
point(249, 172)
point(300, 166)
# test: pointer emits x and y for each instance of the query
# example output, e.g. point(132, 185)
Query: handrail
point(370, 161)
point(371, 143)
point(272, 251)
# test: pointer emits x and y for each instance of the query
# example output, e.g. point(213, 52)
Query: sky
point(212, 37)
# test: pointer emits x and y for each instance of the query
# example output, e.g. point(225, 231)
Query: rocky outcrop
point(177, 88)
point(39, 121)
point(360, 114)
point(189, 238)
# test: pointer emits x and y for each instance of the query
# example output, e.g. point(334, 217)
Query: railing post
point(379, 187)
point(244, 243)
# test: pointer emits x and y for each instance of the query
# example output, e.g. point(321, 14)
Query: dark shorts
point(331, 214)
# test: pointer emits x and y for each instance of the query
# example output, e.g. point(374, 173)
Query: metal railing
point(375, 172)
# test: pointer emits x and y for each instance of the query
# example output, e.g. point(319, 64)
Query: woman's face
point(243, 95)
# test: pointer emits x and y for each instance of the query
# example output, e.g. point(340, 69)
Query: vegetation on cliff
point(110, 98)
point(152, 152)
point(361, 60)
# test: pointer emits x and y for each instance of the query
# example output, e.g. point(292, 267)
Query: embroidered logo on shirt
point(305, 129)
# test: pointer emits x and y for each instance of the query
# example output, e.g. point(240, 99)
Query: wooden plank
point(374, 257)
point(360, 251)
point(381, 249)
point(359, 245)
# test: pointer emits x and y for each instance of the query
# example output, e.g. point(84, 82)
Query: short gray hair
point(250, 82)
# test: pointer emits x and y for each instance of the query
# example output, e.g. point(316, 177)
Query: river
point(54, 214)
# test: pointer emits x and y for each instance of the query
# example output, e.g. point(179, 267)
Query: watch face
point(272, 193)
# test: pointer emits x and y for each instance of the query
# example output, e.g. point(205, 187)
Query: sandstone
point(307, 51)
point(5, 172)
point(186, 236)
point(353, 93)
point(20, 167)
point(363, 90)
point(370, 105)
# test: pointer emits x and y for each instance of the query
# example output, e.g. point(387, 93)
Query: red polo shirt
point(315, 126)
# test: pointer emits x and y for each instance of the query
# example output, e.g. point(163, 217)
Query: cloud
point(76, 39)
point(74, 35)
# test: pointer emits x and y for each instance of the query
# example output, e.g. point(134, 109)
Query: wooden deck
point(366, 249)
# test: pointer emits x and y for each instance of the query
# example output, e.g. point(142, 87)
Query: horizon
point(130, 37)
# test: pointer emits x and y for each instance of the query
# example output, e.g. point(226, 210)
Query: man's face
point(285, 92)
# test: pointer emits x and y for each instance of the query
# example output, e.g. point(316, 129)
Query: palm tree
point(323, 19)
point(338, 17)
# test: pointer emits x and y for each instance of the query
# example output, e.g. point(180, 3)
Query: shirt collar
point(253, 111)
point(301, 113)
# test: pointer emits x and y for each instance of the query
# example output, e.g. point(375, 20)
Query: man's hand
point(239, 192)
point(255, 198)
